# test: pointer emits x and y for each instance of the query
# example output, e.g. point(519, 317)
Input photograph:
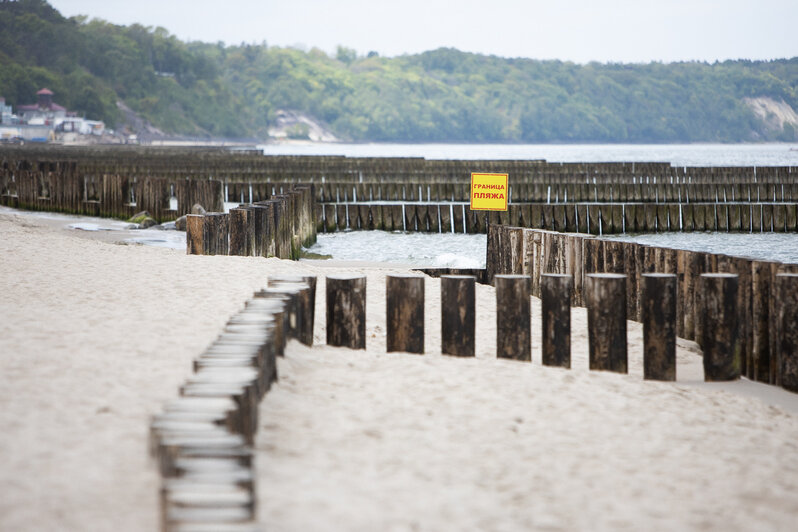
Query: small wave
point(452, 260)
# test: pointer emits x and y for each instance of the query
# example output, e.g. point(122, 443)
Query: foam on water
point(437, 250)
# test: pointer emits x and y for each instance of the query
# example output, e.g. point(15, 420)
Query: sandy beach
point(95, 336)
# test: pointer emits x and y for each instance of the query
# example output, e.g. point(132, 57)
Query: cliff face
point(299, 126)
point(777, 118)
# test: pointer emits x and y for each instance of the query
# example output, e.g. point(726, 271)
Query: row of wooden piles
point(59, 186)
point(277, 227)
point(203, 440)
point(544, 190)
point(597, 219)
point(250, 166)
point(605, 297)
point(764, 299)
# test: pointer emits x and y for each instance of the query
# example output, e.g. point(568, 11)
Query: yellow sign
point(489, 192)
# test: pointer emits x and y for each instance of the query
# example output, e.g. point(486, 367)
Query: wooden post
point(458, 315)
point(658, 314)
point(275, 306)
point(631, 268)
point(311, 316)
point(302, 301)
point(291, 296)
point(555, 290)
point(307, 302)
point(762, 293)
point(404, 313)
point(721, 337)
point(788, 329)
point(346, 311)
point(606, 321)
point(239, 232)
point(513, 313)
point(195, 234)
point(493, 253)
point(216, 233)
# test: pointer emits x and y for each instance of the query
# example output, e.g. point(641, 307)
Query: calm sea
point(774, 154)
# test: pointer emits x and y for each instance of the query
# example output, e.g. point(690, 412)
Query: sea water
point(765, 154)
point(429, 250)
point(781, 247)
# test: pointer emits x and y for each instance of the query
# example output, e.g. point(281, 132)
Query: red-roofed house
point(45, 111)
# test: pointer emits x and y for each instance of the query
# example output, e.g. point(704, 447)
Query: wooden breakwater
point(403, 193)
point(277, 227)
point(203, 440)
point(58, 186)
point(277, 224)
point(592, 218)
point(532, 252)
point(250, 166)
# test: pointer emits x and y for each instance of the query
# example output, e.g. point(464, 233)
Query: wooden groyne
point(759, 302)
point(593, 218)
point(406, 193)
point(250, 166)
point(58, 186)
point(278, 227)
point(203, 440)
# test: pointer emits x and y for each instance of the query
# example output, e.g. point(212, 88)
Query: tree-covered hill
point(442, 95)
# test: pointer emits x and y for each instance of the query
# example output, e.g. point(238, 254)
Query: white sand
point(94, 337)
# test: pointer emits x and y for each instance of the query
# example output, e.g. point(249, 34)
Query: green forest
point(444, 95)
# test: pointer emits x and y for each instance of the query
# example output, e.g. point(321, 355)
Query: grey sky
point(569, 30)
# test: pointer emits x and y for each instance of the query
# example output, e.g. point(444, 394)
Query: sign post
point(489, 192)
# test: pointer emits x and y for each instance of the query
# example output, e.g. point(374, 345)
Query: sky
point(620, 31)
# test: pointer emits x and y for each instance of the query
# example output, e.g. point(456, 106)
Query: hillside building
point(44, 112)
point(42, 120)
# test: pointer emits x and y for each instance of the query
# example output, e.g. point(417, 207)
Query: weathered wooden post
point(311, 280)
point(658, 314)
point(721, 337)
point(458, 315)
point(606, 321)
point(276, 307)
point(195, 234)
point(404, 313)
point(307, 301)
point(216, 229)
point(346, 311)
point(239, 236)
point(495, 241)
point(513, 313)
point(762, 293)
point(788, 329)
point(555, 291)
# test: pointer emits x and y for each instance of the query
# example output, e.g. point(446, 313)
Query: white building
point(44, 112)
